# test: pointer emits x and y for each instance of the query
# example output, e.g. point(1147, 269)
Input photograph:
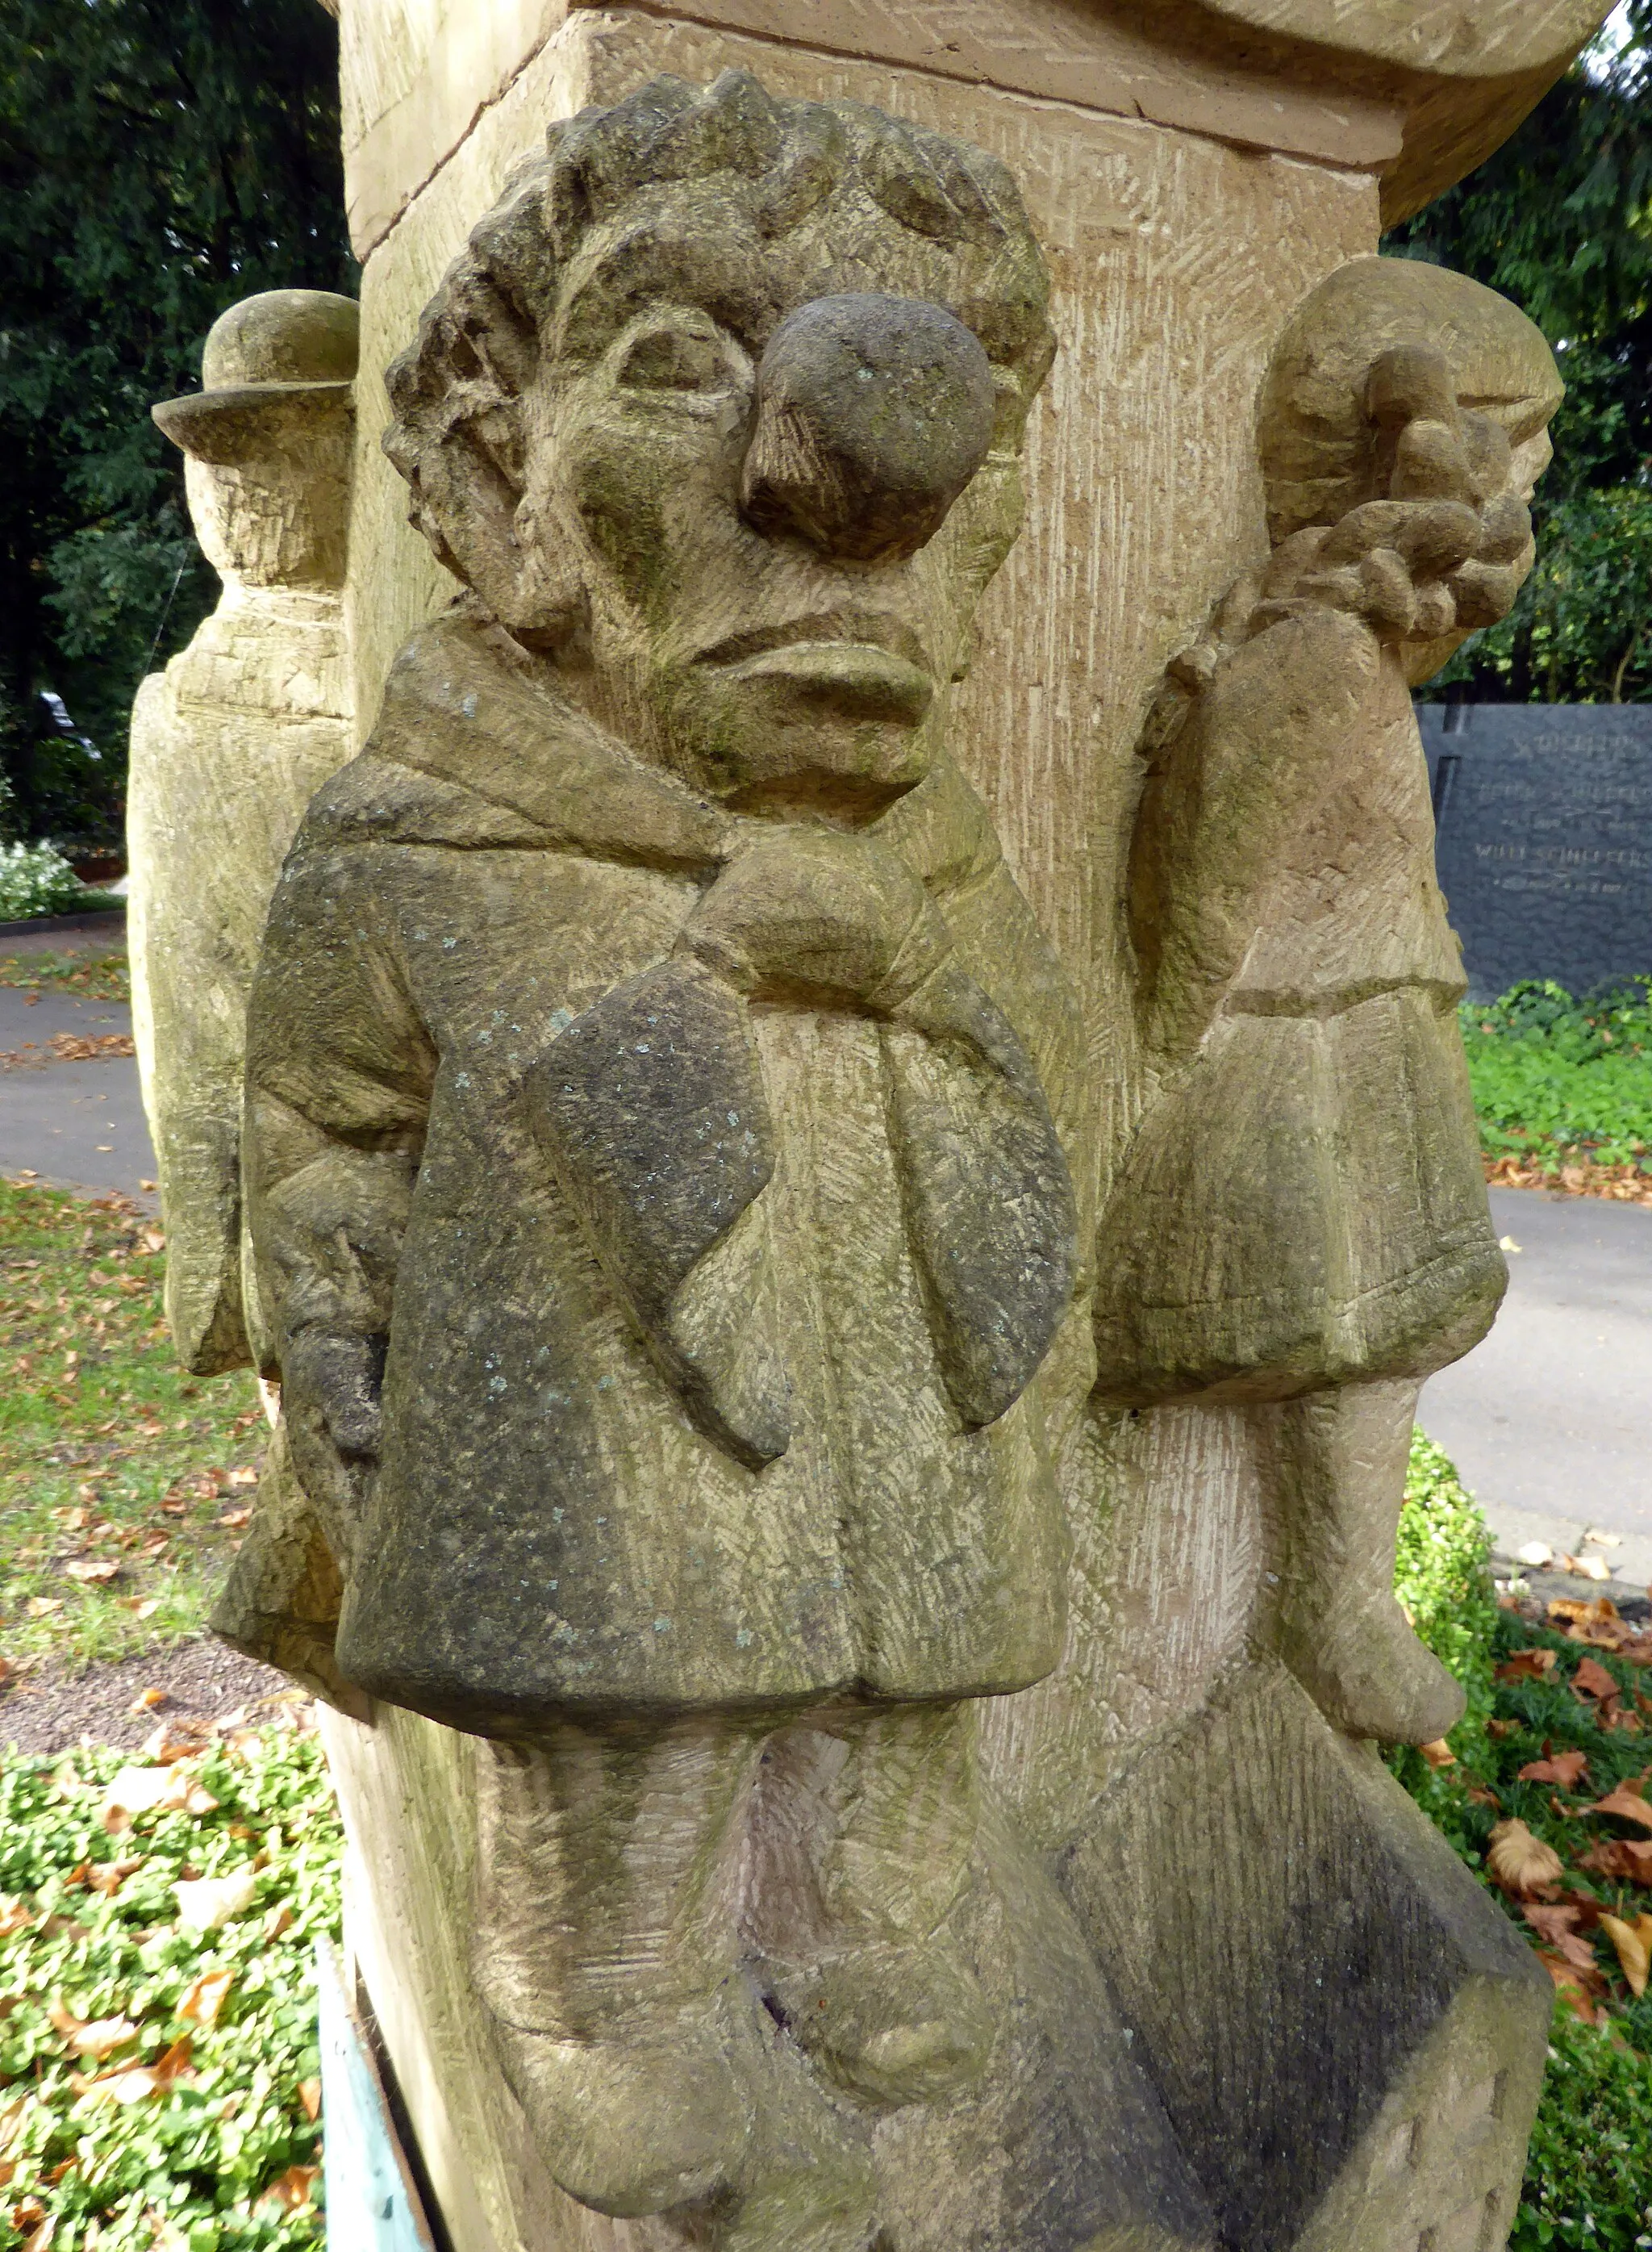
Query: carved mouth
point(863, 665)
point(851, 677)
point(870, 630)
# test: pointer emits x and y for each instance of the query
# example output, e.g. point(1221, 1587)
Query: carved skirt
point(1304, 1206)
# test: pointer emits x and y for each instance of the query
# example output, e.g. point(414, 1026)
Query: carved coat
point(1303, 1202)
point(730, 1339)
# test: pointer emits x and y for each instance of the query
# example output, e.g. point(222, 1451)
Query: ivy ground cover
point(1540, 1790)
point(159, 2076)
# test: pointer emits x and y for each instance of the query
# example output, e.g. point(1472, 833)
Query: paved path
point(1550, 1421)
point(77, 1125)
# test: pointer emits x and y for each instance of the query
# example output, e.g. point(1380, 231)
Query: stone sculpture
point(842, 1430)
point(666, 1138)
point(1300, 1218)
point(227, 745)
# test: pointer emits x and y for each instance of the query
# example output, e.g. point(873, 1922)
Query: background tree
point(159, 159)
point(1560, 220)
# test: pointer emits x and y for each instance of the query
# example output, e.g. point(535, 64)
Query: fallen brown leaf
point(1584, 1567)
point(292, 2191)
point(147, 1700)
point(1528, 1666)
point(1621, 1858)
point(132, 2084)
point(1631, 1942)
point(1439, 1753)
point(89, 1572)
point(1593, 1680)
point(107, 1877)
point(1565, 1767)
point(95, 2037)
point(204, 1903)
point(202, 2002)
point(1518, 1862)
point(1556, 1927)
point(309, 2097)
point(1570, 1986)
point(182, 1737)
point(1567, 1609)
point(1627, 1804)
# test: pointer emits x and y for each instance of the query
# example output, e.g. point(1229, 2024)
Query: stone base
point(1347, 2033)
point(1312, 2029)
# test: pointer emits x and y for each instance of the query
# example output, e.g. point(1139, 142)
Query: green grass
point(113, 2133)
point(1589, 2173)
point(1556, 1080)
point(121, 1479)
point(97, 976)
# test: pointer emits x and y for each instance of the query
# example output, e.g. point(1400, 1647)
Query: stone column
point(1254, 1999)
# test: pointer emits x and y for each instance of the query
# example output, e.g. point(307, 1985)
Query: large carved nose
point(872, 415)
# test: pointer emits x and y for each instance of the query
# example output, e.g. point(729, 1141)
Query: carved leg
point(890, 2007)
point(604, 1939)
point(1337, 1462)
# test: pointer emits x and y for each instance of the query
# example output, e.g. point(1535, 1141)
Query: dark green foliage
point(1589, 2175)
point(157, 162)
point(1443, 1576)
point(1558, 220)
point(1556, 1080)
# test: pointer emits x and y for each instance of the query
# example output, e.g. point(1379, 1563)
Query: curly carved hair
point(723, 196)
point(1318, 445)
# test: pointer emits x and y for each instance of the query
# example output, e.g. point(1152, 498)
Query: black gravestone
point(1543, 840)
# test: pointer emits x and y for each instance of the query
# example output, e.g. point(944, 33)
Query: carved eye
point(672, 357)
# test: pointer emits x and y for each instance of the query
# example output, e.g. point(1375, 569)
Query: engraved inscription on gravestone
point(1544, 845)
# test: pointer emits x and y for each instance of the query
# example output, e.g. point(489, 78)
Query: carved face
point(779, 557)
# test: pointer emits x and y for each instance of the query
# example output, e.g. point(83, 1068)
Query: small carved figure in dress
point(1301, 1220)
point(666, 1121)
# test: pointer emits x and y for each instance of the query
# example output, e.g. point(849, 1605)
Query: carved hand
point(344, 1377)
point(1447, 551)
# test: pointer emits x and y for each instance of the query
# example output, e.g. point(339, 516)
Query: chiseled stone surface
point(736, 1011)
point(1416, 90)
point(227, 745)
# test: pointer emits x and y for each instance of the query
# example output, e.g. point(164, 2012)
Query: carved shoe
point(894, 2025)
point(632, 2127)
point(1371, 1676)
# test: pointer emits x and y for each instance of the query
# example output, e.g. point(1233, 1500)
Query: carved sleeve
point(339, 1071)
point(1265, 738)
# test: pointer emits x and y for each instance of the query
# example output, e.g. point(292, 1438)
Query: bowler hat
point(283, 349)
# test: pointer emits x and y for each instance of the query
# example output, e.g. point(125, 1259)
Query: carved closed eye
point(675, 356)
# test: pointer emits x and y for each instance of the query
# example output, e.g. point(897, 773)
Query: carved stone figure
point(667, 1150)
point(227, 745)
point(843, 1413)
point(1301, 1217)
